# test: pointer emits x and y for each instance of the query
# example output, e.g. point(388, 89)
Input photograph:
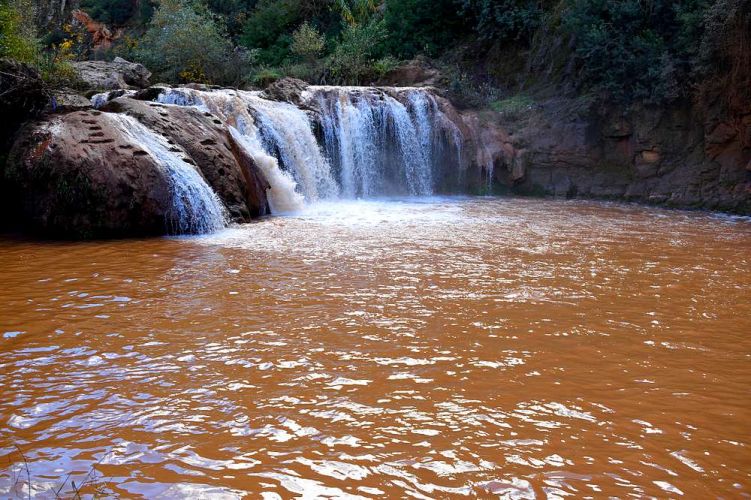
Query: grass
point(100, 489)
point(513, 106)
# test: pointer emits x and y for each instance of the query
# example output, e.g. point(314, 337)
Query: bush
point(265, 77)
point(269, 28)
point(354, 56)
point(185, 42)
point(109, 11)
point(502, 21)
point(422, 26)
point(307, 43)
point(631, 50)
point(17, 32)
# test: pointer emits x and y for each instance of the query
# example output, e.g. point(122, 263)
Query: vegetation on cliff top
point(625, 51)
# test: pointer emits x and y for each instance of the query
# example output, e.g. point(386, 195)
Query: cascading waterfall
point(372, 142)
point(195, 209)
point(383, 141)
point(234, 109)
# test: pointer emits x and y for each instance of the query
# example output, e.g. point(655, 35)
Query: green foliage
point(513, 106)
point(633, 50)
point(186, 42)
point(354, 57)
point(115, 12)
point(504, 21)
point(265, 77)
point(269, 28)
point(422, 26)
point(17, 32)
point(307, 43)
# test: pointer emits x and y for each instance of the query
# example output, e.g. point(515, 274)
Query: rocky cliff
point(683, 156)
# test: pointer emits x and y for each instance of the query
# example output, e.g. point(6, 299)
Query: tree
point(307, 43)
point(186, 42)
point(356, 52)
point(422, 26)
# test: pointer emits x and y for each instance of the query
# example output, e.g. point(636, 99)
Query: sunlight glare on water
point(433, 348)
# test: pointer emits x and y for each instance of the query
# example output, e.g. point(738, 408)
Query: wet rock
point(672, 156)
point(63, 101)
point(76, 175)
point(240, 185)
point(287, 90)
point(118, 74)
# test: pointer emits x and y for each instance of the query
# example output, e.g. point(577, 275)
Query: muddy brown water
point(435, 348)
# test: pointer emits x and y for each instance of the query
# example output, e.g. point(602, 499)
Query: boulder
point(415, 73)
point(93, 174)
point(77, 175)
point(287, 90)
point(240, 185)
point(118, 74)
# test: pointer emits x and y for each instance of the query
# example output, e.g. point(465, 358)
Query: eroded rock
point(118, 74)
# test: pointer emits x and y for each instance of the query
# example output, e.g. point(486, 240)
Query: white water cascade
point(196, 208)
point(380, 141)
point(371, 142)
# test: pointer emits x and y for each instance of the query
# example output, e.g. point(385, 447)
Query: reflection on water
point(445, 347)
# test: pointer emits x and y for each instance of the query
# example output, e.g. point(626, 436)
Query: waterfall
point(381, 141)
point(195, 208)
point(233, 108)
point(346, 142)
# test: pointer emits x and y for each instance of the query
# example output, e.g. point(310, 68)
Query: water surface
point(429, 348)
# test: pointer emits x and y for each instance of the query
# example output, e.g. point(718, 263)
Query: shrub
point(268, 27)
point(185, 42)
point(109, 11)
point(632, 50)
point(353, 58)
point(307, 43)
point(504, 21)
point(17, 32)
point(265, 77)
point(422, 26)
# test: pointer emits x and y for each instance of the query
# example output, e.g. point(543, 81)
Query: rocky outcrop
point(89, 174)
point(51, 15)
point(415, 73)
point(675, 157)
point(79, 176)
point(287, 89)
point(118, 74)
point(208, 143)
point(102, 37)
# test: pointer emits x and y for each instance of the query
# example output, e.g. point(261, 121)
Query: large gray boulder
point(118, 74)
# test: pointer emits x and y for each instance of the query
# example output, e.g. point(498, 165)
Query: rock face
point(52, 14)
point(87, 174)
point(678, 157)
point(118, 74)
point(101, 36)
point(208, 143)
point(287, 90)
point(415, 73)
point(82, 177)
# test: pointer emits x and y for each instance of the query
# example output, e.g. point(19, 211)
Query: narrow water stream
point(427, 348)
